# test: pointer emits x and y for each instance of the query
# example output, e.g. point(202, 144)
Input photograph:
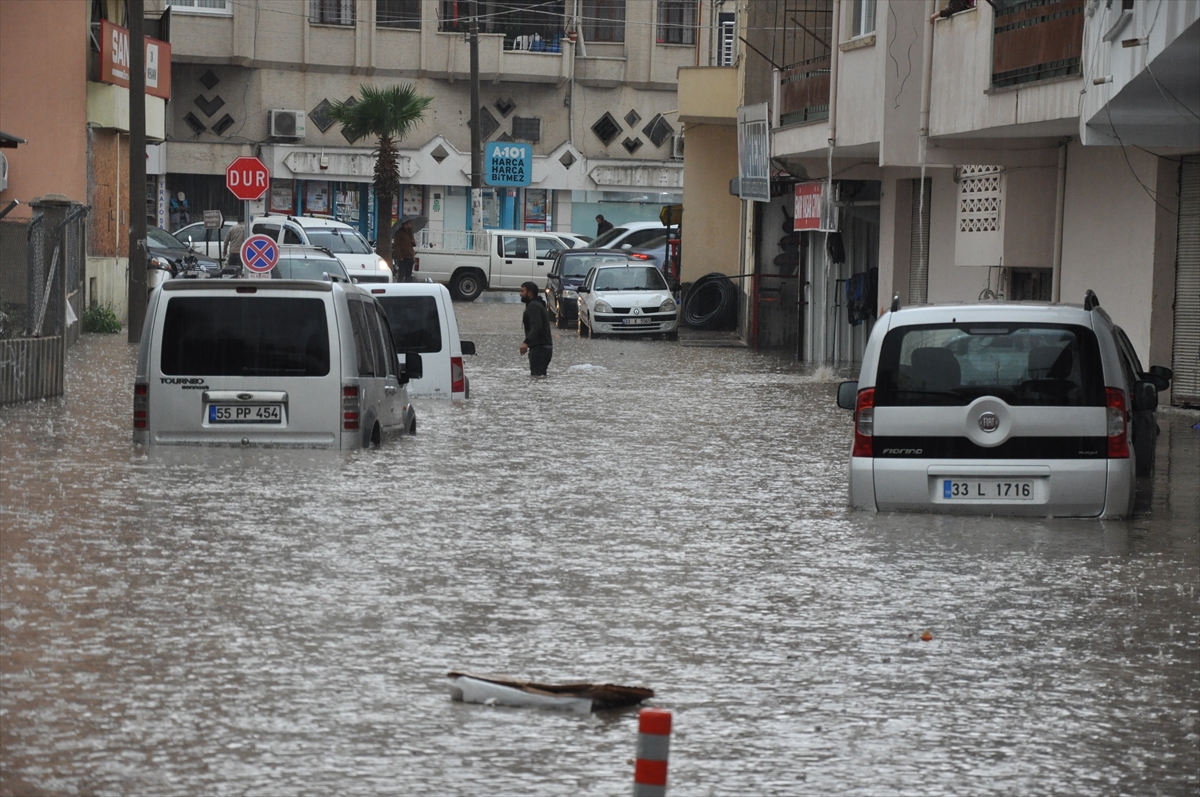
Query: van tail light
point(864, 423)
point(1118, 440)
point(141, 405)
point(458, 383)
point(350, 407)
point(416, 264)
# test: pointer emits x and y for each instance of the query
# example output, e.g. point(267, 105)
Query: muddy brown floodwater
point(280, 623)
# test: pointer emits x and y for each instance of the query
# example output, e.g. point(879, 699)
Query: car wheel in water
point(466, 286)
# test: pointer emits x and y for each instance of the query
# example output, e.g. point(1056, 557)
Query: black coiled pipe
point(711, 303)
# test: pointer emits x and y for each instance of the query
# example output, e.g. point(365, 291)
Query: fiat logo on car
point(988, 422)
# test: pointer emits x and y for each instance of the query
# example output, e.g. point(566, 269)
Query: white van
point(269, 363)
point(345, 242)
point(423, 321)
point(1000, 408)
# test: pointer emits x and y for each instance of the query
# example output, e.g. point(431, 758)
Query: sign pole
point(476, 155)
point(136, 281)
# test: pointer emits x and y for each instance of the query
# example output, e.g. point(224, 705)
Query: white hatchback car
point(627, 299)
point(1014, 409)
point(345, 242)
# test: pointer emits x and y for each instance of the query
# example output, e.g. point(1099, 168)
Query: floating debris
point(492, 690)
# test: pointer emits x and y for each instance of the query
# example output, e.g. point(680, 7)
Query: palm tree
point(389, 114)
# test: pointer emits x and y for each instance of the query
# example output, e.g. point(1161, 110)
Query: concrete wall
point(1029, 216)
point(711, 221)
point(43, 56)
point(1109, 237)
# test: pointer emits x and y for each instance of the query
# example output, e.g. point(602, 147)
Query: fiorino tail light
point(141, 405)
point(458, 383)
point(1118, 440)
point(350, 407)
point(864, 423)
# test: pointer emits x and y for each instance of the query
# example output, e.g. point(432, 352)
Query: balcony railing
point(804, 92)
point(1036, 40)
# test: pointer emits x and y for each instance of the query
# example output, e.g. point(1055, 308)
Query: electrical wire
point(1125, 154)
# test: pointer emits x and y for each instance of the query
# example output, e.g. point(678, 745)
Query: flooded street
point(276, 623)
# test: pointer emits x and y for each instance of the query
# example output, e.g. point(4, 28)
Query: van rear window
point(1021, 364)
point(414, 322)
point(245, 336)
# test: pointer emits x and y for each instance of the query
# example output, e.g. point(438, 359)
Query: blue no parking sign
point(260, 254)
point(506, 163)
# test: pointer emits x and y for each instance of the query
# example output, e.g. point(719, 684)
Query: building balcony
point(804, 92)
point(708, 95)
point(1013, 75)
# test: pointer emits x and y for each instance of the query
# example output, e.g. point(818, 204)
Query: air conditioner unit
point(287, 124)
point(677, 147)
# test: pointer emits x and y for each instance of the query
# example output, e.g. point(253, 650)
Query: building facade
point(1022, 149)
point(590, 84)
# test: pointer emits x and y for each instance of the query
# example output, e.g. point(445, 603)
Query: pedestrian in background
point(603, 225)
point(233, 244)
point(404, 252)
point(538, 343)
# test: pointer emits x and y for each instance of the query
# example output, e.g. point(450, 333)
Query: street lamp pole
point(136, 282)
point(476, 144)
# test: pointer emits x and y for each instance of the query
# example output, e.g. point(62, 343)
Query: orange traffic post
point(654, 742)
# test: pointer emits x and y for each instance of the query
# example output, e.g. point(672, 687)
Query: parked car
point(630, 235)
point(630, 298)
point(243, 362)
point(206, 242)
point(422, 320)
point(345, 242)
point(1017, 409)
point(572, 240)
point(504, 259)
point(168, 255)
point(571, 267)
point(307, 263)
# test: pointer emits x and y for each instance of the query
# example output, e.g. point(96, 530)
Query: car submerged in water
point(1006, 408)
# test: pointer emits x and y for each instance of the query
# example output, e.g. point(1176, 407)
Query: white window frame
point(186, 7)
point(862, 18)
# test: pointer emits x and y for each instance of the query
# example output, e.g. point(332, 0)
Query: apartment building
point(591, 84)
point(1019, 149)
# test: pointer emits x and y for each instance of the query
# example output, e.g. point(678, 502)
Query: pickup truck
point(467, 262)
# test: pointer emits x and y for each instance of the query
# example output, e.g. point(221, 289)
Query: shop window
point(604, 20)
point(677, 21)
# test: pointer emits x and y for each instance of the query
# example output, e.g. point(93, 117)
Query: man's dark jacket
point(537, 323)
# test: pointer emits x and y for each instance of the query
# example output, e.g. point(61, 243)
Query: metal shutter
point(1185, 387)
point(918, 248)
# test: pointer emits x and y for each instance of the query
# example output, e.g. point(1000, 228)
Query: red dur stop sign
point(248, 178)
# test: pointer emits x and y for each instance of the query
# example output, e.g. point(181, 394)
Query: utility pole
point(476, 144)
point(137, 169)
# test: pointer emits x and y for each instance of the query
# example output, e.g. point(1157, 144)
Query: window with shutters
point(398, 14)
point(604, 20)
point(677, 21)
point(331, 12)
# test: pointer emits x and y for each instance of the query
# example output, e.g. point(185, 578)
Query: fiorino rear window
point(245, 336)
point(1023, 365)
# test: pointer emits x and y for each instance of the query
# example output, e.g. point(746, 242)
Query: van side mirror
point(847, 397)
point(1160, 372)
point(1145, 396)
point(411, 366)
point(627, 246)
point(468, 346)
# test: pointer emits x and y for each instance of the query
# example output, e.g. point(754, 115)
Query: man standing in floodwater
point(538, 343)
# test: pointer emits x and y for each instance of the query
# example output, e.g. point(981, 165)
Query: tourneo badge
point(988, 422)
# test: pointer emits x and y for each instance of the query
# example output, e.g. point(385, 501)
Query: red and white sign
point(260, 253)
point(808, 206)
point(248, 178)
point(115, 60)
